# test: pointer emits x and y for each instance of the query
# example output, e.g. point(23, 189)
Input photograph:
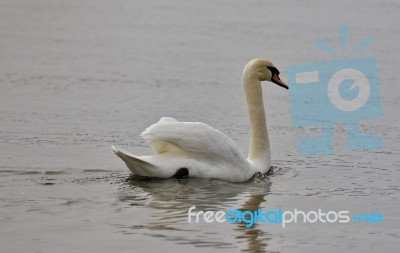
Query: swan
point(198, 150)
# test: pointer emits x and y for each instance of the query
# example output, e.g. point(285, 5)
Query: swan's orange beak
point(278, 81)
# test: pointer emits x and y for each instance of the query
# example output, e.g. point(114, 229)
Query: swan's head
point(263, 70)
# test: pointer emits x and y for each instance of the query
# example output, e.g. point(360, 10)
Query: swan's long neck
point(259, 151)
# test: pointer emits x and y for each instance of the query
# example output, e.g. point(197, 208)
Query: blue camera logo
point(340, 91)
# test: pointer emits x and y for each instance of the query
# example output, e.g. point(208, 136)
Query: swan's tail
point(135, 164)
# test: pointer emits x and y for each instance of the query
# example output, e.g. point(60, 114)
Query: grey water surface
point(78, 76)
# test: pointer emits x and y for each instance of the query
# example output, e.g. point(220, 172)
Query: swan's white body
point(203, 150)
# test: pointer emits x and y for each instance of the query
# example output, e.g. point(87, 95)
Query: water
point(78, 76)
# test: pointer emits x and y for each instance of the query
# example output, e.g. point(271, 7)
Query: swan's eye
point(273, 70)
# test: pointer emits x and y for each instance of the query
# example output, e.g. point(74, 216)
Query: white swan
point(198, 150)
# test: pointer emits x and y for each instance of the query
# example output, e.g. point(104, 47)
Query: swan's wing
point(194, 139)
point(167, 119)
point(160, 146)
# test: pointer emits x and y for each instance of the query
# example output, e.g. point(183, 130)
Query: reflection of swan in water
point(170, 199)
point(198, 150)
point(253, 235)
